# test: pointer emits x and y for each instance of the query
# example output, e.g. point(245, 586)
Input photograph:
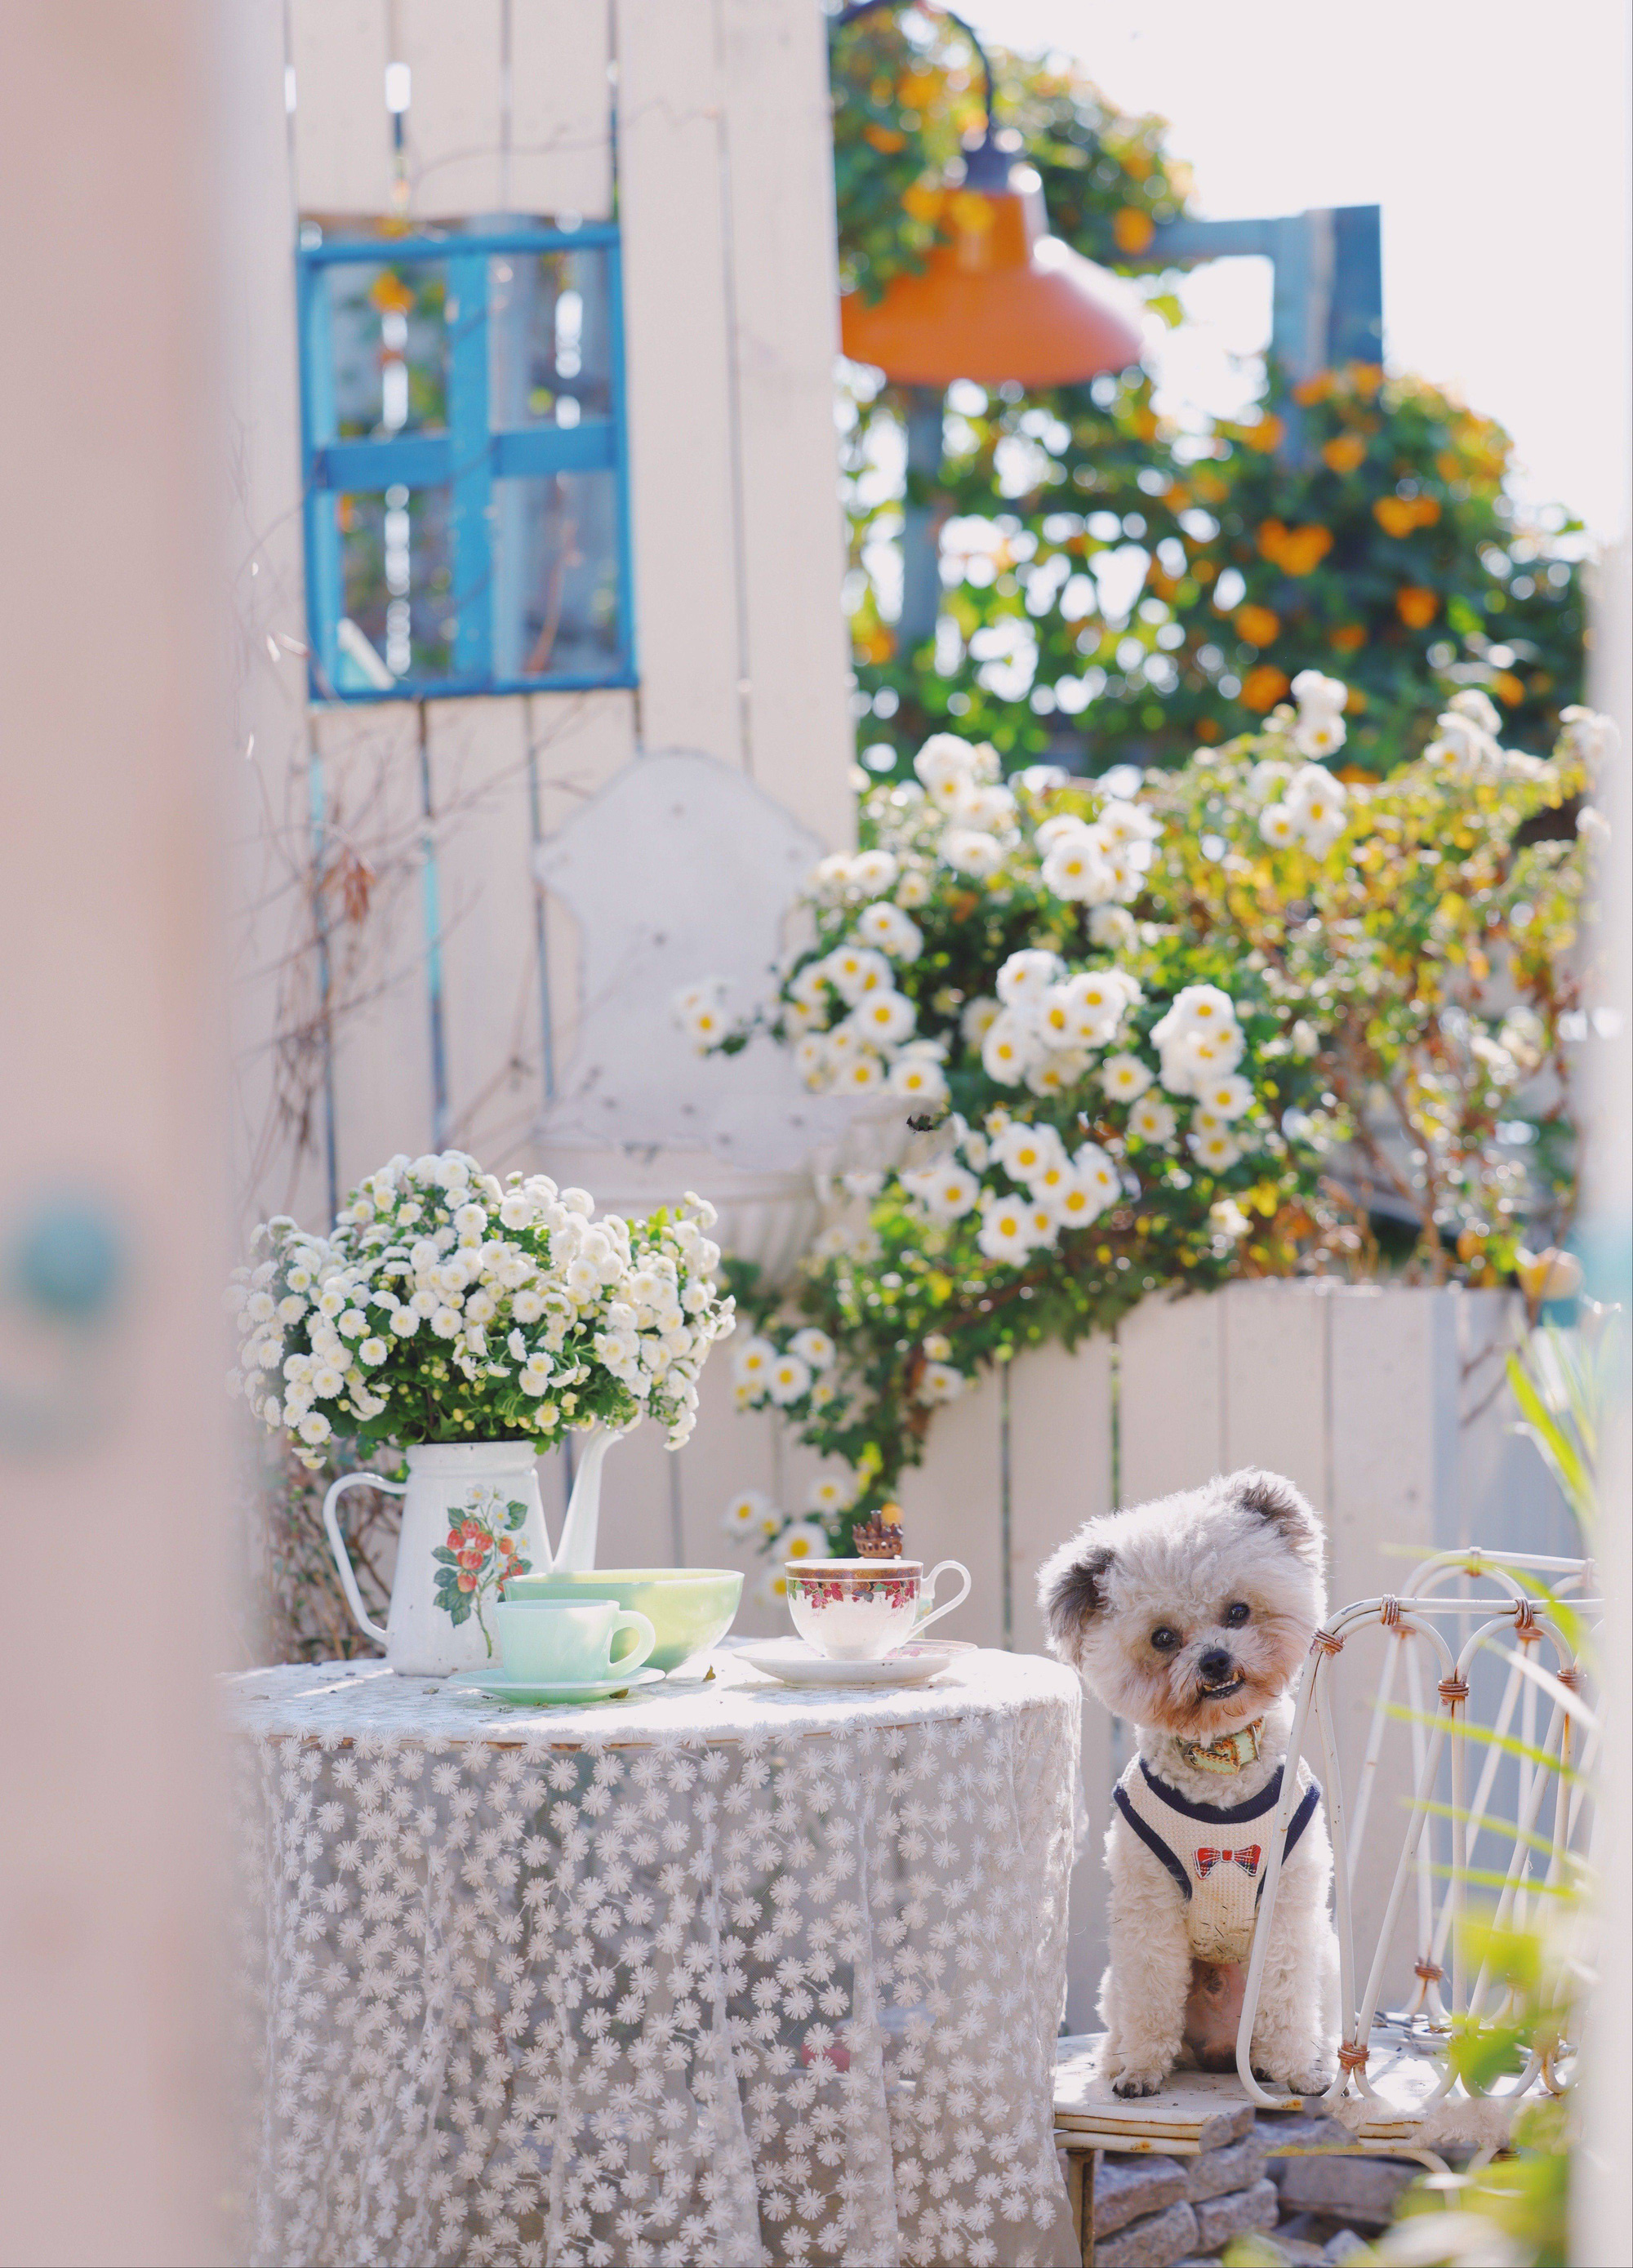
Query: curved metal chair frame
point(1567, 1740)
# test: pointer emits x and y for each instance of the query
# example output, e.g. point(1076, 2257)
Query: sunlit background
point(1495, 141)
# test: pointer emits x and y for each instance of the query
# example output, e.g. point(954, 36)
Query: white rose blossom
point(517, 1291)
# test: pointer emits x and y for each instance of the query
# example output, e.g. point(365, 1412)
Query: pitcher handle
point(337, 1544)
point(935, 1613)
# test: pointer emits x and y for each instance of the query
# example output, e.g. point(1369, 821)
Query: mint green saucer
point(498, 1687)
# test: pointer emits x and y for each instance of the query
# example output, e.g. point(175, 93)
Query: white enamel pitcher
point(471, 1518)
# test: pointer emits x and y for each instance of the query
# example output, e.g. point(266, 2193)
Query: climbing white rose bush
point(1156, 1032)
point(447, 1306)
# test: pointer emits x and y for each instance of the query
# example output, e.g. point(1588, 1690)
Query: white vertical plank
point(1394, 1429)
point(785, 314)
point(683, 472)
point(576, 743)
point(482, 827)
point(1394, 1442)
point(374, 809)
point(1060, 1474)
point(276, 1083)
point(455, 126)
point(1505, 1498)
point(952, 1506)
point(1059, 1463)
point(1171, 1424)
point(731, 1450)
point(560, 156)
point(1275, 1381)
point(343, 159)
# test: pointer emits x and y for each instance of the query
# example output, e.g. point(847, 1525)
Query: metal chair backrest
point(1553, 1752)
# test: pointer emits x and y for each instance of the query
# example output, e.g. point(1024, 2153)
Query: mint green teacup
point(544, 1642)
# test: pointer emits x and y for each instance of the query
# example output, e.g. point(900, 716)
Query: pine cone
point(880, 1537)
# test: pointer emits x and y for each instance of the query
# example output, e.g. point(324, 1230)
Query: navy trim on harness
point(1151, 1839)
point(1257, 1806)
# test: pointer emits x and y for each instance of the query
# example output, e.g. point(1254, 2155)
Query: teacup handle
point(646, 1638)
point(935, 1613)
point(337, 1544)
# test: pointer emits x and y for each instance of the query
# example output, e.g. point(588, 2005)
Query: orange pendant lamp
point(1003, 299)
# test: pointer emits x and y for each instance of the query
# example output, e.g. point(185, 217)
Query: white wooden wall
point(702, 126)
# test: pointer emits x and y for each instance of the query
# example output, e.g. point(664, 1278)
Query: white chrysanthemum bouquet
point(448, 1306)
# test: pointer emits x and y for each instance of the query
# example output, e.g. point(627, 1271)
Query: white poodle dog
point(1193, 1616)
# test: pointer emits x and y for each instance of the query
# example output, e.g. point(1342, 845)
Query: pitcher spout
point(576, 1552)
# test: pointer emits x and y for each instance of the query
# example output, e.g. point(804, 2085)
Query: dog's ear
point(1071, 1591)
point(1278, 1503)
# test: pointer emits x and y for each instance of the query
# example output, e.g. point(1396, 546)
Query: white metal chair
point(1398, 2063)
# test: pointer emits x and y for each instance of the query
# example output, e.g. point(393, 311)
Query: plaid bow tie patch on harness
point(1207, 1859)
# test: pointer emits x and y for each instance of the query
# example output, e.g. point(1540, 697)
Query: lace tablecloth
point(725, 1973)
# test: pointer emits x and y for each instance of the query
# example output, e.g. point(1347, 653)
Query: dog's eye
point(1164, 1640)
point(1237, 1613)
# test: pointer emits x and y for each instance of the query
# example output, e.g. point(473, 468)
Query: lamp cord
point(860, 8)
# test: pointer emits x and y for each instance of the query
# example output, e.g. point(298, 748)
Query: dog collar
point(1232, 1752)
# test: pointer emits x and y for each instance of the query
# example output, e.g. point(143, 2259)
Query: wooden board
point(684, 475)
point(483, 828)
point(560, 154)
point(576, 742)
point(382, 1045)
point(456, 123)
point(952, 1506)
point(343, 161)
point(1171, 1387)
point(1204, 2108)
point(1277, 1388)
point(278, 1118)
point(783, 313)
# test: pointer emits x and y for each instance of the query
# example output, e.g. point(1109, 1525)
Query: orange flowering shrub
point(1114, 582)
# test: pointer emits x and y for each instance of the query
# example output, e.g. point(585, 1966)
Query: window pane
point(397, 576)
point(557, 606)
point(550, 339)
point(390, 330)
point(552, 604)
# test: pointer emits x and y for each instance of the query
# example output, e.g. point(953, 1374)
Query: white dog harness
point(1216, 1854)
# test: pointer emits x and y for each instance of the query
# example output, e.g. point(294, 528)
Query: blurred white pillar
point(1602, 2199)
point(112, 646)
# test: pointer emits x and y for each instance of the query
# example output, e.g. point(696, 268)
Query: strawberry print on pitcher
point(485, 1548)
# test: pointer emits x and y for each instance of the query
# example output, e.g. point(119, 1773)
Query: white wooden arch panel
point(343, 157)
point(561, 149)
point(683, 471)
point(456, 123)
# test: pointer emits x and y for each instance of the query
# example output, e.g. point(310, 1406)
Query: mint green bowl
point(690, 1608)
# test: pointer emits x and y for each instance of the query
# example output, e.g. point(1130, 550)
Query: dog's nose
point(1215, 1666)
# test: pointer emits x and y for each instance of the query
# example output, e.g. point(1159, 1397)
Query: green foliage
point(1382, 543)
point(1562, 1382)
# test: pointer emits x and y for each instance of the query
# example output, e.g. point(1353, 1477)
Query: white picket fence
point(1386, 1405)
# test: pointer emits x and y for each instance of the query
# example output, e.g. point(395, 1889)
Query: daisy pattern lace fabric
point(735, 1975)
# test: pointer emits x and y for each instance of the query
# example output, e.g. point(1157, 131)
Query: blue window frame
point(465, 464)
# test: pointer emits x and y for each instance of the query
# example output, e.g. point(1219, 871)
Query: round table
point(724, 1973)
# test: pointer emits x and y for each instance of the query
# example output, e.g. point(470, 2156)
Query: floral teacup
point(861, 1610)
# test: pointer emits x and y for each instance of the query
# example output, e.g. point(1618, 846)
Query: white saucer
point(498, 1687)
point(795, 1663)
